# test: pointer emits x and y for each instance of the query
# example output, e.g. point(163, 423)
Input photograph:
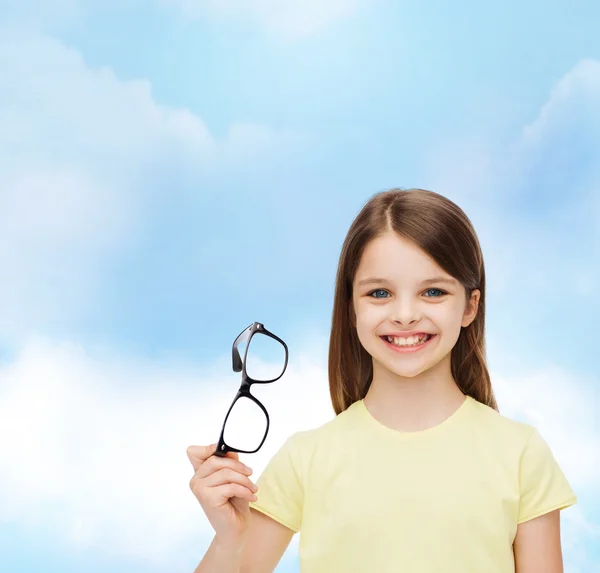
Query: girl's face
point(407, 301)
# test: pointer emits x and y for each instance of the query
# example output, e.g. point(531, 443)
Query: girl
point(417, 472)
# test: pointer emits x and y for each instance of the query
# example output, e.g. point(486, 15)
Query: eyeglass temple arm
point(235, 353)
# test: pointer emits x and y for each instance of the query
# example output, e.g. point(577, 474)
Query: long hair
point(439, 227)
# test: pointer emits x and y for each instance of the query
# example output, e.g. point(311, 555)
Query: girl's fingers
point(199, 454)
point(223, 493)
point(215, 463)
point(228, 475)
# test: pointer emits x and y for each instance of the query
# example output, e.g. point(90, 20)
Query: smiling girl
point(418, 472)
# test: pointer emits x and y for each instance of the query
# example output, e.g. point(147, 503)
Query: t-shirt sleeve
point(280, 488)
point(543, 486)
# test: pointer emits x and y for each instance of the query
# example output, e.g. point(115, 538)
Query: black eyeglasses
point(265, 361)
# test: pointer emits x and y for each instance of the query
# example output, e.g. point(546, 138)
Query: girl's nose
point(405, 314)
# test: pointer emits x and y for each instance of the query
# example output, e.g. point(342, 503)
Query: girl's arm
point(537, 546)
point(265, 544)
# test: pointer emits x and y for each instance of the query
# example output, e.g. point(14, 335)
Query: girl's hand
point(223, 488)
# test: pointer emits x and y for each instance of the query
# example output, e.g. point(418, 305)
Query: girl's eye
point(428, 290)
point(378, 290)
point(438, 290)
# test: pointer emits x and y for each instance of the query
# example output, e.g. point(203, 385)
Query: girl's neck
point(413, 404)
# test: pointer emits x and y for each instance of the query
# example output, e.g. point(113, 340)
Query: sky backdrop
point(173, 170)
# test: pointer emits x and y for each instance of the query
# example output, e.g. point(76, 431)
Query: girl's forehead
point(394, 242)
point(397, 258)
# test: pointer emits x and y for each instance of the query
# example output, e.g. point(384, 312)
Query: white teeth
point(410, 341)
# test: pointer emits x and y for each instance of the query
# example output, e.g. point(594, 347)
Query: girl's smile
point(406, 349)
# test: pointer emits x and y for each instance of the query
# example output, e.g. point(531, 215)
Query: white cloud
point(564, 139)
point(78, 150)
point(97, 447)
point(287, 18)
point(561, 406)
point(574, 98)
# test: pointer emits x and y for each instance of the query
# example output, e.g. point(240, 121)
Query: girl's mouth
point(405, 349)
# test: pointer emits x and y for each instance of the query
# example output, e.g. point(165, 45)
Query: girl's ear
point(471, 308)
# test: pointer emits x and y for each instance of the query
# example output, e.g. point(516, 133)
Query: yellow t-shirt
point(366, 498)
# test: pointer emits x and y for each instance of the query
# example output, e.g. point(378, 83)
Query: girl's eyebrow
point(376, 280)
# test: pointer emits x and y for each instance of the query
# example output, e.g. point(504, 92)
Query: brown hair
point(441, 229)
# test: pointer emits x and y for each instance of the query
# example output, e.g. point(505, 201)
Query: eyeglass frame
point(240, 365)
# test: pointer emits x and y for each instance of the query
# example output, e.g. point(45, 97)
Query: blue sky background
point(171, 171)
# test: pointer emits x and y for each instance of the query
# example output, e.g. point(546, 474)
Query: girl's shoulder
point(501, 427)
point(318, 436)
